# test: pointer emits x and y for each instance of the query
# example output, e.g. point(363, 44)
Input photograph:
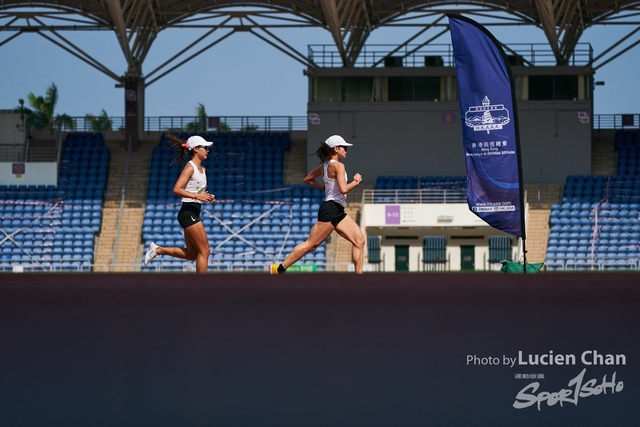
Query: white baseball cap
point(337, 141)
point(197, 141)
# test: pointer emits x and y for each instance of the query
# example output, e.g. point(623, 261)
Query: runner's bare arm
point(311, 178)
point(338, 170)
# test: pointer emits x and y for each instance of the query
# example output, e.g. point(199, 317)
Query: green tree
point(200, 124)
point(100, 123)
point(41, 114)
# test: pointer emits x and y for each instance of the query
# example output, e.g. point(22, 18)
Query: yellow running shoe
point(273, 269)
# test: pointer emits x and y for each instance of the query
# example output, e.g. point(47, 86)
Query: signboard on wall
point(420, 215)
point(401, 214)
point(18, 169)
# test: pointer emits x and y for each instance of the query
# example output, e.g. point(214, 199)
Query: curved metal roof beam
point(350, 22)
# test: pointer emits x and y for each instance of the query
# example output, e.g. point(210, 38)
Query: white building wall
point(41, 173)
point(453, 220)
point(421, 215)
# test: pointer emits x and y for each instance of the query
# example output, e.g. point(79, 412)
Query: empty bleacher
point(596, 227)
point(53, 227)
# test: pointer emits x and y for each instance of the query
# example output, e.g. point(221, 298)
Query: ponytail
point(324, 153)
point(181, 153)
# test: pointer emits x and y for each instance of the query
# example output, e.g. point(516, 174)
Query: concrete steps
point(295, 162)
point(540, 198)
point(129, 249)
point(537, 235)
point(341, 249)
point(604, 158)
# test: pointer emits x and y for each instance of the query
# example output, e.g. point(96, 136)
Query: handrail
point(425, 195)
point(441, 54)
point(616, 121)
point(121, 212)
point(58, 148)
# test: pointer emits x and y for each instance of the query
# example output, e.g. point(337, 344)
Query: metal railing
point(616, 121)
point(273, 124)
point(426, 195)
point(226, 264)
point(227, 123)
point(418, 55)
point(123, 196)
point(589, 264)
point(12, 153)
point(36, 265)
point(287, 123)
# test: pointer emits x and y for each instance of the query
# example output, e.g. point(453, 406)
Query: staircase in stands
point(129, 250)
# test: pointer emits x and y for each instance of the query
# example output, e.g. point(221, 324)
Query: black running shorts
point(332, 212)
point(189, 214)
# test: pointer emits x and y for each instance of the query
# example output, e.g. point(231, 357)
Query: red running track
point(315, 349)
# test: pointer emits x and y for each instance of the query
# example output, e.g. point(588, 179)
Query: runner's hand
point(206, 197)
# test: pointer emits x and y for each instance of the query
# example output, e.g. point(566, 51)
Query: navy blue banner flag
point(489, 127)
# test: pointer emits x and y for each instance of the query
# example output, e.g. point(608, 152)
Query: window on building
point(327, 89)
point(420, 88)
point(546, 88)
point(357, 89)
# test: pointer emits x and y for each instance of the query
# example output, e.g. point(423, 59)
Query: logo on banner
point(487, 117)
point(493, 207)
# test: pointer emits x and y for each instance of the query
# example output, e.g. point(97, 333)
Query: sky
point(242, 75)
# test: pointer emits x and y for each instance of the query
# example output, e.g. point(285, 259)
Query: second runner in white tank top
point(331, 189)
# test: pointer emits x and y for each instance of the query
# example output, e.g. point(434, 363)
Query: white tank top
point(196, 184)
point(331, 189)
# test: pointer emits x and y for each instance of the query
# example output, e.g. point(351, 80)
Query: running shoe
point(151, 253)
point(273, 269)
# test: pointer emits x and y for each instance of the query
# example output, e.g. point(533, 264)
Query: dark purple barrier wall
point(319, 350)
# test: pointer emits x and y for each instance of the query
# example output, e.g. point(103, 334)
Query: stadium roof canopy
point(138, 22)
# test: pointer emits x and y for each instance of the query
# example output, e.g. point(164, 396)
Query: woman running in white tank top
point(331, 215)
point(191, 186)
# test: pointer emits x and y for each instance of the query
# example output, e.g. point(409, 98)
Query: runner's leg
point(318, 234)
point(350, 230)
point(198, 246)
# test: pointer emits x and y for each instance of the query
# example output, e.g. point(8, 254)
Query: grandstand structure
point(98, 199)
point(106, 205)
